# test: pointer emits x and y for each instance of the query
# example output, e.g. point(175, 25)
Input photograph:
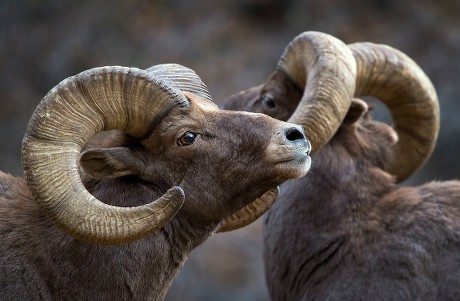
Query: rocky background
point(232, 45)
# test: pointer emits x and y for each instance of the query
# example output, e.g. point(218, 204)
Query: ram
point(166, 171)
point(347, 231)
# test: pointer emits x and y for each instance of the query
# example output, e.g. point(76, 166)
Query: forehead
point(197, 112)
point(204, 115)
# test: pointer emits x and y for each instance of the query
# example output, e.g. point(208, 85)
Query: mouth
point(297, 165)
point(289, 150)
point(301, 165)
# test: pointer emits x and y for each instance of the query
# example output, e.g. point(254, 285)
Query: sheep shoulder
point(408, 240)
point(408, 244)
point(47, 259)
point(19, 216)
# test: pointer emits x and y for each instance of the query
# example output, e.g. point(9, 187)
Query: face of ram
point(213, 164)
point(221, 159)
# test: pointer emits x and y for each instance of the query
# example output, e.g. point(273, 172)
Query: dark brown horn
point(396, 80)
point(100, 99)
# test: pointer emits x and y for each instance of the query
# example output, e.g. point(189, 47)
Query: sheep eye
point(268, 101)
point(186, 139)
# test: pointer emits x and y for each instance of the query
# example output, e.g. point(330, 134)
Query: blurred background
point(232, 45)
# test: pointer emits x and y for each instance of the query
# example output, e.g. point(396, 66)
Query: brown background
point(232, 45)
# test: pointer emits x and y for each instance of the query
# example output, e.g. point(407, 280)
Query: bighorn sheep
point(94, 234)
point(347, 231)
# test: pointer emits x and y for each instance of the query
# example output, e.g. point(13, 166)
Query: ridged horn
point(99, 99)
point(250, 212)
point(180, 77)
point(323, 67)
point(397, 81)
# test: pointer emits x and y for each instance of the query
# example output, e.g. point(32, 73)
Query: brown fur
point(346, 231)
point(225, 169)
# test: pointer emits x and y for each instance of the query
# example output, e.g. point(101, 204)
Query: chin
point(297, 168)
point(303, 166)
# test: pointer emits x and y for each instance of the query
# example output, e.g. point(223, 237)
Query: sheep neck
point(152, 262)
point(334, 210)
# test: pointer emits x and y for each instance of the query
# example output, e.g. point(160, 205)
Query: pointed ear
point(357, 109)
point(104, 163)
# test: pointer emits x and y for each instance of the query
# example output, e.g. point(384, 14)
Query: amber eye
point(186, 139)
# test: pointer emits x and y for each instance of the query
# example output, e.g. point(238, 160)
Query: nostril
point(293, 134)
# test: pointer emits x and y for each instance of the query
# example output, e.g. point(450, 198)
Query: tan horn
point(397, 81)
point(100, 99)
point(324, 68)
point(181, 78)
point(250, 212)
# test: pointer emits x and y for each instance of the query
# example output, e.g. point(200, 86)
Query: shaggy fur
point(347, 232)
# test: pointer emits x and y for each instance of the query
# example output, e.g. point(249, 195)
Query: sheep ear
point(357, 109)
point(104, 163)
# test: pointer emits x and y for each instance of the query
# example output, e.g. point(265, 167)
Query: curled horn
point(396, 80)
point(323, 67)
point(100, 99)
point(250, 212)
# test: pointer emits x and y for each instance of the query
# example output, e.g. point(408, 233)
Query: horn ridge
point(325, 69)
point(98, 99)
point(396, 80)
